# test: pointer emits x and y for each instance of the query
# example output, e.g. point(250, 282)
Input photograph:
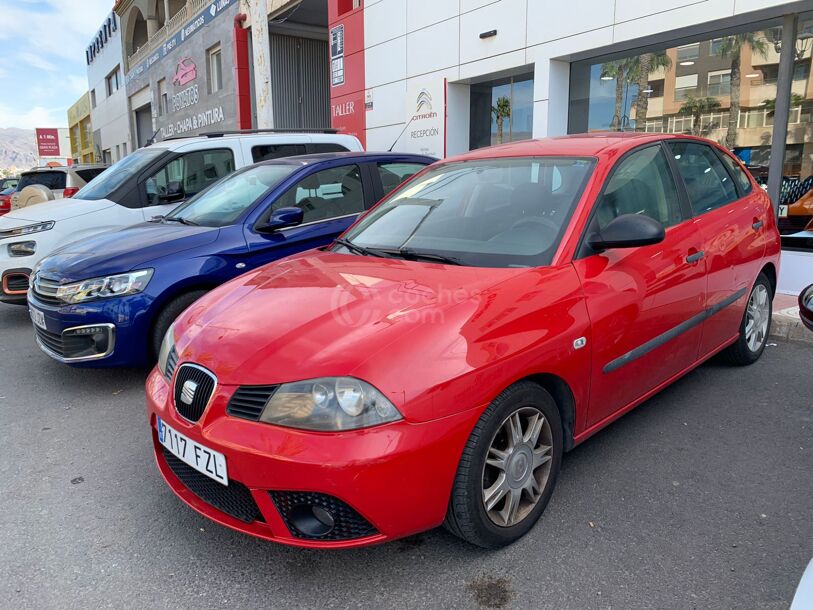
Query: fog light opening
point(312, 520)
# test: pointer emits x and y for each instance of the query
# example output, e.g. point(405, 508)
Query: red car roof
point(583, 144)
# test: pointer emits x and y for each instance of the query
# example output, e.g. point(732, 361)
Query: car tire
point(168, 315)
point(759, 309)
point(478, 478)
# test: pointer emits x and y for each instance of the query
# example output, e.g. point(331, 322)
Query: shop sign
point(47, 142)
point(206, 118)
point(337, 56)
point(426, 118)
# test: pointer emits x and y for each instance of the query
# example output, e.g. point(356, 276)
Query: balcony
point(170, 27)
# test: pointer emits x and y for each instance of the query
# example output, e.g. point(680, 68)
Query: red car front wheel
point(508, 468)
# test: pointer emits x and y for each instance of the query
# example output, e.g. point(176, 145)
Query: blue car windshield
point(225, 201)
point(114, 176)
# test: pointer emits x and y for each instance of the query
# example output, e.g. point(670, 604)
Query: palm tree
point(697, 107)
point(501, 112)
point(770, 105)
point(619, 70)
point(731, 47)
point(645, 65)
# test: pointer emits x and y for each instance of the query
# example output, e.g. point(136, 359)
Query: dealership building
point(446, 76)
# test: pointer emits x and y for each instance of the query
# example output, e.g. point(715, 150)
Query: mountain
point(18, 148)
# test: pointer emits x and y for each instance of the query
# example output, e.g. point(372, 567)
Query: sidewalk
point(786, 325)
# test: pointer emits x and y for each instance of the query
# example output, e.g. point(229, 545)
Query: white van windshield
point(114, 176)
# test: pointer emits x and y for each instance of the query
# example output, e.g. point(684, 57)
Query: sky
point(42, 58)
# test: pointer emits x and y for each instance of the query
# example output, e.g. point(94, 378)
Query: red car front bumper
point(397, 477)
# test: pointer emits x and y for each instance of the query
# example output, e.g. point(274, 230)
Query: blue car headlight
point(119, 285)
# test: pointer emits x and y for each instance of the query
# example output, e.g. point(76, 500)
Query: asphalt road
point(700, 498)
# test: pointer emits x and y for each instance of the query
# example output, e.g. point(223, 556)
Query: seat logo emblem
point(188, 392)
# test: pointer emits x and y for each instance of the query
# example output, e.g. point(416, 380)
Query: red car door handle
point(757, 225)
point(695, 257)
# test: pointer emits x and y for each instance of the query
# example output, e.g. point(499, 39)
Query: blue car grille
point(45, 290)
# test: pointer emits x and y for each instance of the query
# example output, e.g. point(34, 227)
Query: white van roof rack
point(238, 132)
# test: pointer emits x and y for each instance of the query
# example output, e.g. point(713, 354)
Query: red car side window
point(708, 184)
point(641, 184)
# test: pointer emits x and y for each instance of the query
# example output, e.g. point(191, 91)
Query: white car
point(149, 182)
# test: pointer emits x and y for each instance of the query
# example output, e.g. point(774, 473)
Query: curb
point(786, 326)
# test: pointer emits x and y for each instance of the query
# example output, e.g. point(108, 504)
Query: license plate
point(37, 317)
point(783, 211)
point(204, 460)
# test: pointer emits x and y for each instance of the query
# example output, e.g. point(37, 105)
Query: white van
point(149, 182)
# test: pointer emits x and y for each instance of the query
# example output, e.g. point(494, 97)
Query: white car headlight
point(27, 229)
point(329, 404)
point(105, 287)
point(167, 345)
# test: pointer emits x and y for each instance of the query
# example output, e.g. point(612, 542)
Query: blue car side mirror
point(281, 218)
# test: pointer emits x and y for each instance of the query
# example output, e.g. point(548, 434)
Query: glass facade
point(723, 88)
point(501, 111)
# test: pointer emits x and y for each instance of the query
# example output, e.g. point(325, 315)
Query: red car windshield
point(507, 212)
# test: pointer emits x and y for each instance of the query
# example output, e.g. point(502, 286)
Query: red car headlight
point(329, 404)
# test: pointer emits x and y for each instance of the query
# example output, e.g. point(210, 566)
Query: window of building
point(719, 83)
point(712, 121)
point(656, 126)
point(330, 193)
point(501, 111)
point(770, 72)
point(754, 118)
point(163, 97)
point(685, 86)
point(688, 52)
point(656, 88)
point(113, 81)
point(93, 98)
point(345, 6)
point(697, 97)
point(214, 69)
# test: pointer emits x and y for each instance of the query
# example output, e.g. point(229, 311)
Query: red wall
point(347, 100)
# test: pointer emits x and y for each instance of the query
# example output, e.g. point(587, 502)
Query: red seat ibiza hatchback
point(433, 364)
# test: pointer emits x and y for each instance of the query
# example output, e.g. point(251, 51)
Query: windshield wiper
point(157, 219)
point(356, 248)
point(183, 221)
point(409, 253)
